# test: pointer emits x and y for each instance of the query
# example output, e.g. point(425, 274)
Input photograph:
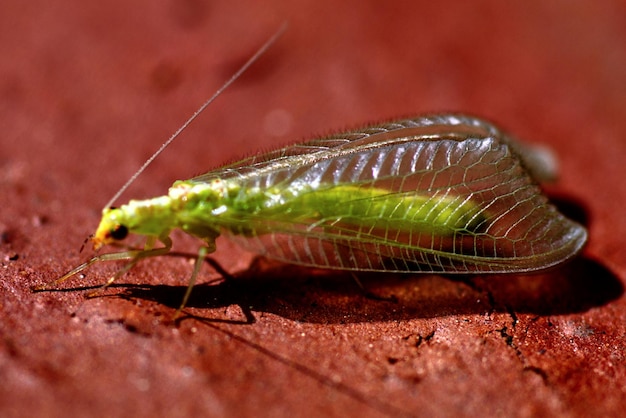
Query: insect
point(442, 193)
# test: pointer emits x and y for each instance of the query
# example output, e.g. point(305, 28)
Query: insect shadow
point(320, 296)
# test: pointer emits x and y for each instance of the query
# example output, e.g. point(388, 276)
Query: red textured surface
point(89, 89)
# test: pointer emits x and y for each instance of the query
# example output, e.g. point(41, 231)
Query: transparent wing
point(511, 226)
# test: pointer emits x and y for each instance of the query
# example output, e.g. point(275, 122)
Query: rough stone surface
point(89, 89)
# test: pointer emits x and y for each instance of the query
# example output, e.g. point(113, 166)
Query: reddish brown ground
point(89, 89)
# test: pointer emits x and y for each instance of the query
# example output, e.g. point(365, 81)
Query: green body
point(206, 209)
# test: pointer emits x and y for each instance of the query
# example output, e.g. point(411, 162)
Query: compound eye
point(119, 233)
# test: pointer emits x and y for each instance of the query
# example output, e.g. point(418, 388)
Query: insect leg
point(202, 253)
point(134, 256)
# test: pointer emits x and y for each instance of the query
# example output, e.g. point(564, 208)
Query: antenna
point(219, 91)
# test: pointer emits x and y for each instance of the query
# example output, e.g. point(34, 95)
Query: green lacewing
point(439, 194)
